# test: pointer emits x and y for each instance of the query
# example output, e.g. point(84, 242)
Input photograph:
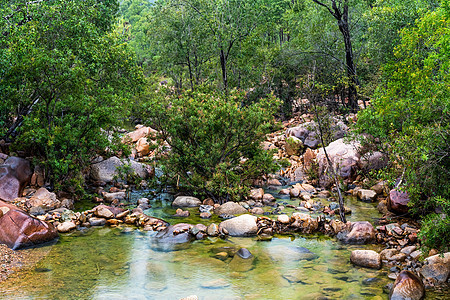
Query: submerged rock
point(407, 286)
point(242, 261)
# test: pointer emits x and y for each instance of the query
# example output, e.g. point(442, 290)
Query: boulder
point(175, 234)
point(312, 141)
point(304, 222)
point(44, 199)
point(110, 197)
point(244, 225)
point(143, 132)
point(398, 202)
point(18, 229)
point(142, 147)
point(283, 219)
point(15, 174)
point(107, 212)
point(366, 258)
point(97, 221)
point(106, 169)
point(343, 156)
point(436, 268)
point(379, 188)
point(293, 145)
point(256, 194)
point(257, 211)
point(361, 232)
point(186, 201)
point(230, 208)
point(366, 195)
point(373, 161)
point(407, 286)
point(304, 187)
point(268, 200)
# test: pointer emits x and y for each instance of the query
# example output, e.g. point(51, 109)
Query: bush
point(215, 142)
point(411, 116)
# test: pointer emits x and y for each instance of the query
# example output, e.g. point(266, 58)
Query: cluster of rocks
point(143, 143)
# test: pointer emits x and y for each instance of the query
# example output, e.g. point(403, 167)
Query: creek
point(125, 262)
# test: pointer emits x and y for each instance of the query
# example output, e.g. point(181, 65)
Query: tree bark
point(223, 65)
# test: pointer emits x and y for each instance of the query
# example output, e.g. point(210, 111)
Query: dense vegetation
point(70, 71)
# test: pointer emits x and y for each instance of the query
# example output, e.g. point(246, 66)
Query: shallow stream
point(125, 263)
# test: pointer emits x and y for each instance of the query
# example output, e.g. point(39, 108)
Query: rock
point(205, 208)
point(181, 213)
point(308, 157)
point(43, 198)
point(293, 145)
point(416, 254)
point(268, 146)
point(407, 286)
point(398, 202)
point(175, 234)
point(186, 201)
point(366, 258)
point(290, 253)
point(103, 211)
point(283, 219)
point(105, 170)
point(387, 254)
point(338, 226)
point(366, 195)
point(284, 192)
point(312, 141)
point(304, 223)
point(143, 132)
point(305, 188)
point(294, 192)
point(215, 284)
point(380, 188)
point(18, 229)
point(141, 170)
point(244, 225)
point(15, 174)
point(268, 200)
point(242, 261)
point(373, 161)
point(257, 211)
point(436, 269)
point(361, 232)
point(205, 215)
point(230, 208)
point(213, 230)
point(97, 221)
point(256, 194)
point(408, 250)
point(66, 226)
point(142, 147)
point(344, 158)
point(110, 197)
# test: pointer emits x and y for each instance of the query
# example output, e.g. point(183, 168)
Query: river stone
point(257, 211)
point(256, 194)
point(242, 261)
point(175, 234)
point(215, 284)
point(361, 232)
point(110, 197)
point(407, 286)
point(436, 268)
point(66, 226)
point(186, 201)
point(268, 199)
point(105, 170)
point(244, 225)
point(212, 230)
point(294, 192)
point(366, 195)
point(97, 221)
point(366, 258)
point(45, 199)
point(398, 202)
point(230, 208)
point(283, 219)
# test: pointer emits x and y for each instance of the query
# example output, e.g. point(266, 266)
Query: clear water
point(123, 263)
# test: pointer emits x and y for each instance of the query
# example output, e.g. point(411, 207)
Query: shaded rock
point(18, 229)
point(110, 197)
point(380, 188)
point(66, 226)
point(268, 199)
point(15, 174)
point(366, 195)
point(373, 161)
point(244, 225)
point(436, 269)
point(407, 286)
point(215, 284)
point(398, 202)
point(293, 145)
point(230, 208)
point(366, 258)
point(361, 232)
point(186, 201)
point(105, 170)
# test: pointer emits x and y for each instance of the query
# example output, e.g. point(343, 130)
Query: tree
point(66, 77)
point(339, 10)
point(410, 114)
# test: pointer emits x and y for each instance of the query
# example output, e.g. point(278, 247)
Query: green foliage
point(215, 142)
point(411, 112)
point(67, 78)
point(435, 232)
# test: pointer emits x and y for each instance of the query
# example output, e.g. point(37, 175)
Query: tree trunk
point(223, 65)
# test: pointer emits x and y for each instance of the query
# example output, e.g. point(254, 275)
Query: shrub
point(215, 142)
